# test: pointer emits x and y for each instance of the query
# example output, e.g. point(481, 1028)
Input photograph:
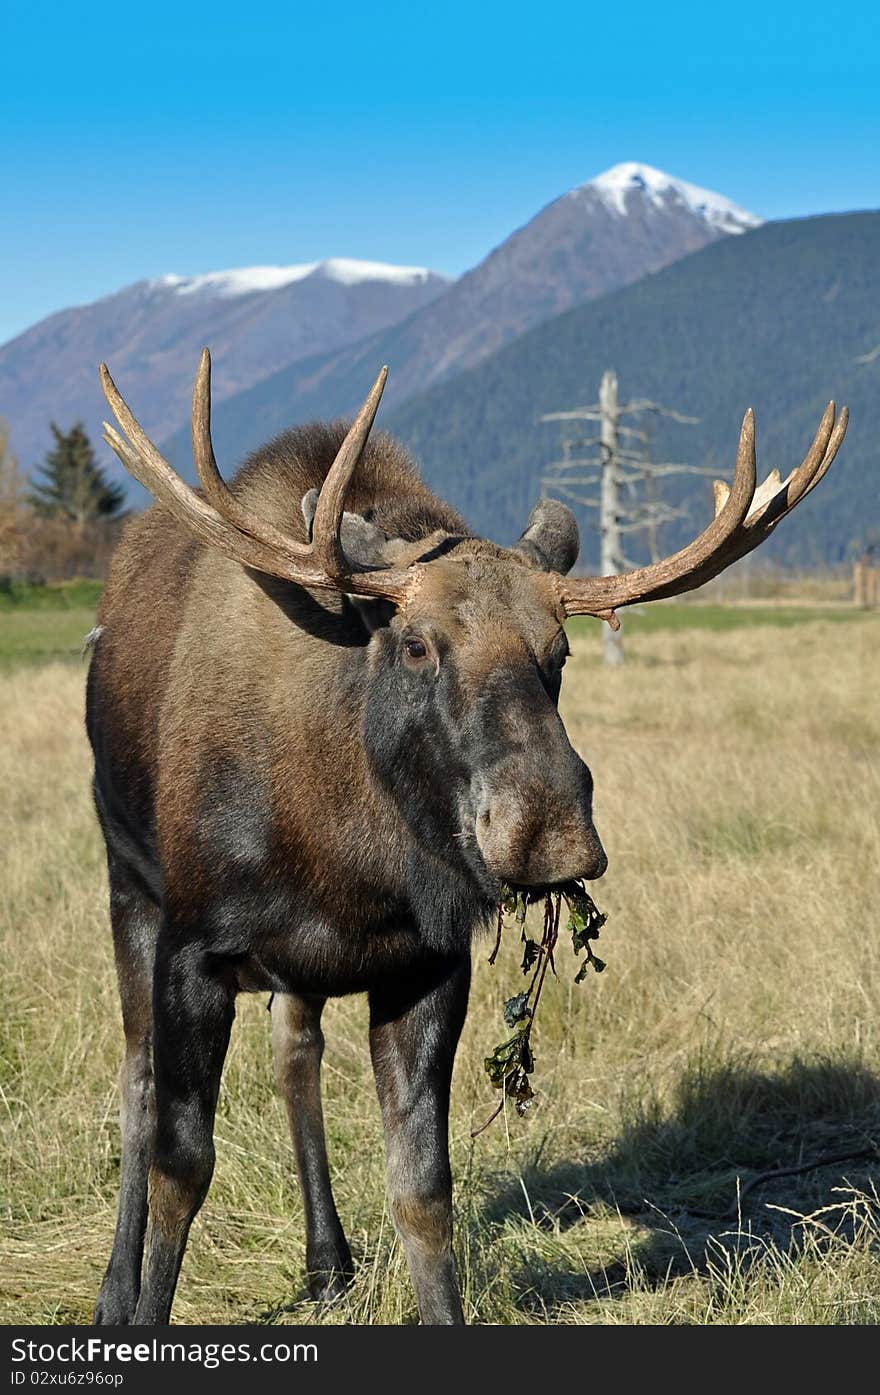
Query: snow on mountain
point(303, 341)
point(242, 280)
point(617, 186)
point(256, 319)
point(349, 273)
point(624, 224)
point(250, 280)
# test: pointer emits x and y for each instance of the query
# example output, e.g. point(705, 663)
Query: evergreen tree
point(74, 485)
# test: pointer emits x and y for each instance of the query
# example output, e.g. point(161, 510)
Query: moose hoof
point(328, 1281)
point(114, 1308)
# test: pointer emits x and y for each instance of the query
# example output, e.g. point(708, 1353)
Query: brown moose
point(323, 739)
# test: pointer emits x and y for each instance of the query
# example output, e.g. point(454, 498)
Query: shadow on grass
point(690, 1175)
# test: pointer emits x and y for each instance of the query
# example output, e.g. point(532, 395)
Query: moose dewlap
point(325, 733)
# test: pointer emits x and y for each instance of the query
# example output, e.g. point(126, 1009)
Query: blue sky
point(138, 140)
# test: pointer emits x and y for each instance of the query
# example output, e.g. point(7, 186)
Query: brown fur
point(425, 1224)
point(211, 640)
point(171, 1202)
point(308, 796)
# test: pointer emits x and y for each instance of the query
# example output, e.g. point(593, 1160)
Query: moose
point(325, 731)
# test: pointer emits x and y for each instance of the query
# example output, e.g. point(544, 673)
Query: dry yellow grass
point(737, 1027)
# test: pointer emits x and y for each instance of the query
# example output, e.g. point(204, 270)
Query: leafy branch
point(512, 1061)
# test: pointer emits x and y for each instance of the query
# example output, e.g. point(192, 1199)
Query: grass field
point(736, 1029)
point(33, 630)
point(39, 623)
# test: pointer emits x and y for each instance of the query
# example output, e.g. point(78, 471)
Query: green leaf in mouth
point(512, 1061)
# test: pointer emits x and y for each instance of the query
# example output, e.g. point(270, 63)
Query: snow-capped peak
point(248, 280)
point(618, 184)
point(349, 272)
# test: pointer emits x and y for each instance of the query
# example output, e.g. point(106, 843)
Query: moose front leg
point(192, 1015)
point(414, 1033)
point(298, 1045)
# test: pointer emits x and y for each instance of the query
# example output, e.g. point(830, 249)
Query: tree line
point(63, 522)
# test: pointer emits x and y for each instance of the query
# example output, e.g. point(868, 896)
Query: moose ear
point(367, 546)
point(551, 541)
point(362, 542)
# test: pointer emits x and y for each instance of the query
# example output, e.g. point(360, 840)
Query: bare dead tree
point(616, 460)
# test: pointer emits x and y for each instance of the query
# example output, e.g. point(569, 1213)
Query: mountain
point(256, 319)
point(781, 320)
point(607, 233)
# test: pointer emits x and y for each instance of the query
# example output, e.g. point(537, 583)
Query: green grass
point(79, 594)
point(40, 635)
point(693, 616)
point(40, 623)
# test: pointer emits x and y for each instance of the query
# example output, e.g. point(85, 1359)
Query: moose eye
point(416, 649)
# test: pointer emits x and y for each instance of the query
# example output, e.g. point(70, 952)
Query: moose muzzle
point(534, 825)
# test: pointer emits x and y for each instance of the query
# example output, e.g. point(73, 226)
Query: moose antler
point(223, 521)
point(745, 513)
point(744, 516)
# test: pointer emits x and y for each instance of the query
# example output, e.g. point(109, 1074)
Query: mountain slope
point(780, 320)
point(255, 318)
point(606, 233)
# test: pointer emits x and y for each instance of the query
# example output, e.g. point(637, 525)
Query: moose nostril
point(599, 866)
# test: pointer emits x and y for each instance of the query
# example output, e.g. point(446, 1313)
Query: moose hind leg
point(193, 1010)
point(413, 1037)
point(135, 919)
point(298, 1045)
